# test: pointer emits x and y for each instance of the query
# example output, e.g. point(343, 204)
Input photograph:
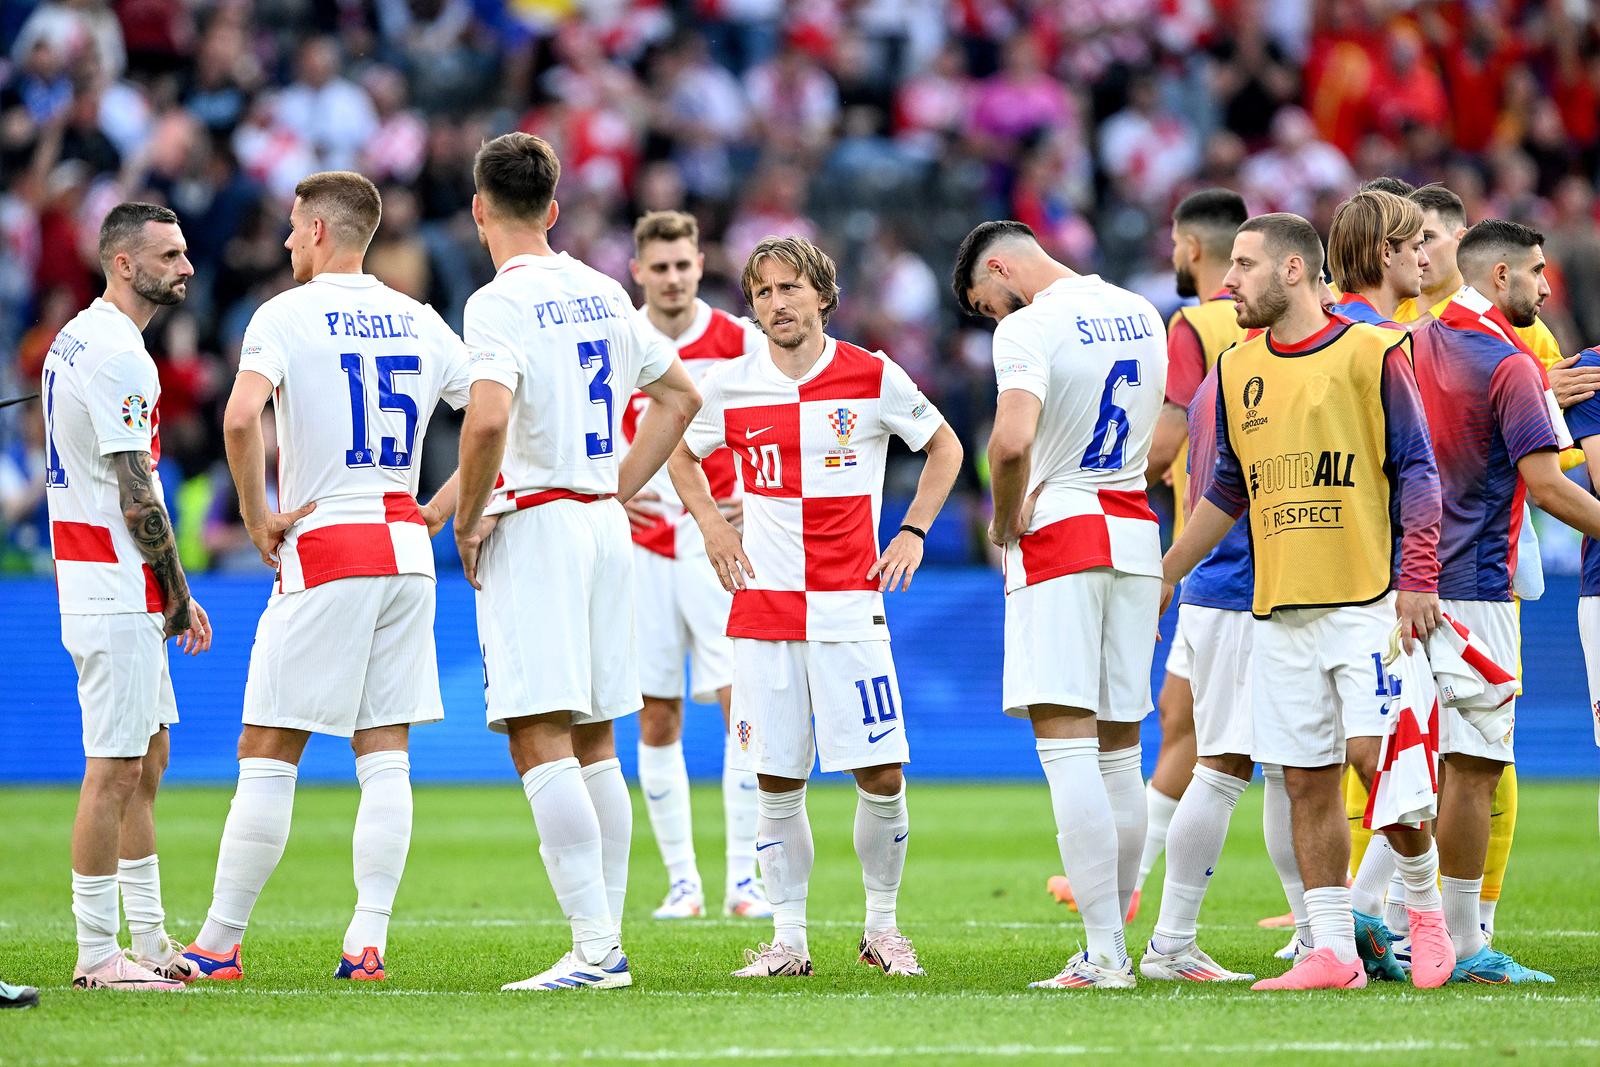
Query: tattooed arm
point(152, 532)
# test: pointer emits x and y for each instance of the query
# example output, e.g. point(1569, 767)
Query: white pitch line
point(1009, 1051)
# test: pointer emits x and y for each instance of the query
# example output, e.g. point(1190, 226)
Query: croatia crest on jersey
point(843, 423)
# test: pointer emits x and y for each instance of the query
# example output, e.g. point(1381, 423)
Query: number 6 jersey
point(580, 352)
point(357, 370)
point(1096, 357)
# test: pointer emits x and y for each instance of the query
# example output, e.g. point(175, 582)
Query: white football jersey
point(1096, 357)
point(713, 338)
point(580, 352)
point(357, 370)
point(101, 396)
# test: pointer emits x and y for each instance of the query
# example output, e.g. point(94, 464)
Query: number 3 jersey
point(579, 353)
point(1096, 357)
point(100, 397)
point(811, 455)
point(357, 370)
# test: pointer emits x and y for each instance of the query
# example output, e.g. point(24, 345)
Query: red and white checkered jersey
point(580, 352)
point(357, 370)
point(1096, 357)
point(101, 395)
point(811, 455)
point(712, 338)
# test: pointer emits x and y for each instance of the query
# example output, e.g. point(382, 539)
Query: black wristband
point(910, 529)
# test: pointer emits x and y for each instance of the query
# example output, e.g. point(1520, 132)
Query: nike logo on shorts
point(873, 739)
point(656, 796)
point(901, 837)
point(769, 844)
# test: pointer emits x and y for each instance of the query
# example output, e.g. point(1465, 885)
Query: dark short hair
point(983, 236)
point(1287, 234)
point(124, 224)
point(1495, 241)
point(348, 202)
point(1384, 183)
point(1442, 202)
point(517, 174)
point(1214, 216)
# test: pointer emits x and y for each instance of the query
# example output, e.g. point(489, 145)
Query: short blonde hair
point(800, 256)
point(664, 226)
point(1362, 227)
point(348, 202)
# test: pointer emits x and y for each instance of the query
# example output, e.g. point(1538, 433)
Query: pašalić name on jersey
point(1301, 470)
point(1113, 328)
point(361, 324)
point(577, 309)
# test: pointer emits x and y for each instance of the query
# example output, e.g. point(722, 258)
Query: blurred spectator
point(1146, 148)
point(333, 114)
point(793, 101)
point(1573, 242)
point(398, 146)
point(1290, 175)
point(75, 30)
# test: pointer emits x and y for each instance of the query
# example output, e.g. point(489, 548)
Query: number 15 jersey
point(580, 352)
point(357, 370)
point(1096, 357)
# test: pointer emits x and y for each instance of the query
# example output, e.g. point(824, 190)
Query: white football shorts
point(555, 614)
point(1083, 640)
point(1316, 680)
point(1220, 677)
point(345, 656)
point(1589, 634)
point(1496, 624)
point(124, 690)
point(796, 700)
point(1180, 657)
point(681, 610)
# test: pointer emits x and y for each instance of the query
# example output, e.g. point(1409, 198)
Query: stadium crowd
point(881, 128)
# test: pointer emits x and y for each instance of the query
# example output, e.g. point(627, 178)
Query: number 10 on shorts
point(882, 694)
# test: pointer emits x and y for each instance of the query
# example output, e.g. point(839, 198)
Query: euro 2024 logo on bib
point(135, 412)
point(1254, 390)
point(843, 423)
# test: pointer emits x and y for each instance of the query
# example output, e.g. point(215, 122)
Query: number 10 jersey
point(357, 370)
point(580, 352)
point(1096, 357)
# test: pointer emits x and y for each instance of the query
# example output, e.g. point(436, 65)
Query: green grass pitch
point(475, 910)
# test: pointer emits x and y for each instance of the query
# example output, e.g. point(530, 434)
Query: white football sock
point(1129, 812)
point(739, 813)
point(1421, 876)
point(94, 905)
point(1372, 877)
point(1394, 907)
point(141, 902)
point(882, 826)
point(1087, 837)
point(1461, 914)
point(1332, 924)
point(786, 854)
point(1200, 828)
point(1275, 827)
point(252, 844)
point(608, 791)
point(569, 844)
point(381, 841)
point(1486, 915)
point(1159, 810)
point(665, 782)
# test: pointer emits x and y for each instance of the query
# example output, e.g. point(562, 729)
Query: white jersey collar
point(1063, 285)
point(530, 259)
point(697, 327)
point(348, 281)
point(770, 368)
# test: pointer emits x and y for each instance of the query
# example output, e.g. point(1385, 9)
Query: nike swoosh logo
point(656, 796)
point(901, 837)
point(768, 845)
point(873, 739)
point(747, 788)
point(749, 433)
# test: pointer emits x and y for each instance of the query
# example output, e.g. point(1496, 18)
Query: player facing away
point(1081, 367)
point(552, 561)
point(122, 592)
point(1203, 225)
point(1496, 441)
point(344, 647)
point(680, 609)
point(809, 419)
point(1321, 440)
